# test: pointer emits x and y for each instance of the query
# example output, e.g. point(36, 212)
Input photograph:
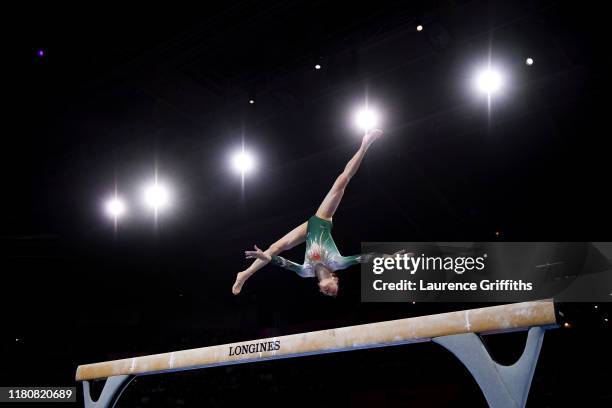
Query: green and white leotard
point(320, 249)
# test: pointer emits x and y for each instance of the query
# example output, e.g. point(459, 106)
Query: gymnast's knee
point(341, 182)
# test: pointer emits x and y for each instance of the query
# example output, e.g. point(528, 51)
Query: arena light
point(243, 162)
point(115, 207)
point(489, 81)
point(529, 61)
point(366, 118)
point(156, 196)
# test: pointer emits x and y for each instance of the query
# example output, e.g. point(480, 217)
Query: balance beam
point(454, 331)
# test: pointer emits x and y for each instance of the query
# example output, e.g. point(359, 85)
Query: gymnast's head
point(328, 281)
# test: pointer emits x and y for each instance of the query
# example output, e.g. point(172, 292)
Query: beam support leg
point(502, 386)
point(113, 387)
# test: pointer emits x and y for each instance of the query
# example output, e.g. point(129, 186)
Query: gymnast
point(322, 256)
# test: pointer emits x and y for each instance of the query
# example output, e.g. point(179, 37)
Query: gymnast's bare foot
point(371, 136)
point(241, 277)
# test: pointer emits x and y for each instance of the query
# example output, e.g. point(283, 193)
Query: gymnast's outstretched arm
point(262, 258)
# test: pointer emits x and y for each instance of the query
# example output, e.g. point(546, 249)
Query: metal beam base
point(502, 386)
point(113, 387)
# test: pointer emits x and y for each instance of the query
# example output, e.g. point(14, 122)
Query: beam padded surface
point(394, 332)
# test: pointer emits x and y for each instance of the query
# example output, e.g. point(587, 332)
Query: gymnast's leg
point(293, 238)
point(331, 201)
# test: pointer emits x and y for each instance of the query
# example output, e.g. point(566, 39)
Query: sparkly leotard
point(320, 249)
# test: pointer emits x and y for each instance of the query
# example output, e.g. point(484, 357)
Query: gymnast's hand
point(371, 136)
point(258, 254)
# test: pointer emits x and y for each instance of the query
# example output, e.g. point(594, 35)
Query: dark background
point(120, 90)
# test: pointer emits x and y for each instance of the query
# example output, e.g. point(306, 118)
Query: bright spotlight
point(366, 119)
point(243, 162)
point(489, 81)
point(156, 196)
point(529, 61)
point(318, 66)
point(251, 101)
point(115, 207)
point(419, 27)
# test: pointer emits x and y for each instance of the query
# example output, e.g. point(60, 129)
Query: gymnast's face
point(329, 286)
